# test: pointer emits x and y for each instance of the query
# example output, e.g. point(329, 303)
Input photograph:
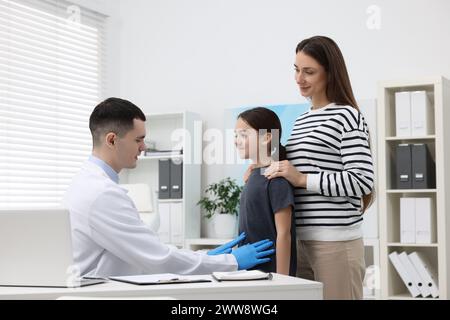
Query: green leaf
point(222, 197)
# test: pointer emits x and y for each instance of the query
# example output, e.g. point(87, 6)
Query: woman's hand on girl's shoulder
point(286, 170)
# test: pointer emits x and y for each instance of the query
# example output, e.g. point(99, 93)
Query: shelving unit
point(412, 245)
point(146, 158)
point(392, 287)
point(416, 191)
point(179, 218)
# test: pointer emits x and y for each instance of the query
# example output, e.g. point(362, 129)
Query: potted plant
point(221, 204)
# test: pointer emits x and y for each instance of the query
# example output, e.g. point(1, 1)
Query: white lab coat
point(109, 237)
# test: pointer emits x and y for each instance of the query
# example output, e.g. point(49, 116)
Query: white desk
point(279, 288)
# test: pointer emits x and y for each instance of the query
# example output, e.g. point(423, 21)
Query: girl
point(266, 207)
point(330, 166)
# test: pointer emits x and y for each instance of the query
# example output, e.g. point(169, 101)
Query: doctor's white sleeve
point(115, 225)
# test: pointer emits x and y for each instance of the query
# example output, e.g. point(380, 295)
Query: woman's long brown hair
point(339, 89)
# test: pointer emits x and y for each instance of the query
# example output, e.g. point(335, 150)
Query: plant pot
point(224, 225)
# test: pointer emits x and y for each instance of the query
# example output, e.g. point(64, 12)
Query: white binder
point(407, 220)
point(425, 221)
point(426, 271)
point(421, 118)
point(403, 114)
point(417, 279)
point(404, 275)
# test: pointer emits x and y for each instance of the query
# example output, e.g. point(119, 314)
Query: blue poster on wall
point(287, 113)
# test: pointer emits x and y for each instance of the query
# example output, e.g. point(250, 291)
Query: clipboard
point(157, 279)
point(243, 275)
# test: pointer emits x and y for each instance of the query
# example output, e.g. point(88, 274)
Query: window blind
point(51, 77)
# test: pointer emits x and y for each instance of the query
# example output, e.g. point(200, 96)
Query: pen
point(168, 280)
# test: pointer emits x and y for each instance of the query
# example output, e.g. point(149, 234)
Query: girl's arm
point(283, 243)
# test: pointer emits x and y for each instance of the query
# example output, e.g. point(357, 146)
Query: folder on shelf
point(403, 166)
point(425, 220)
point(406, 278)
point(403, 114)
point(426, 271)
point(417, 279)
point(422, 116)
point(423, 167)
point(176, 179)
point(164, 179)
point(407, 220)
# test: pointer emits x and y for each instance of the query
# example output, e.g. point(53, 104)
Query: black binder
point(423, 167)
point(176, 180)
point(164, 179)
point(403, 167)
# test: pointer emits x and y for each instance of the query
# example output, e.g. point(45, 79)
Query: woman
point(266, 206)
point(330, 165)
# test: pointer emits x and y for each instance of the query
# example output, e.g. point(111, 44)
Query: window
point(51, 78)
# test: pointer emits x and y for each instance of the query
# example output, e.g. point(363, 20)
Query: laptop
point(36, 250)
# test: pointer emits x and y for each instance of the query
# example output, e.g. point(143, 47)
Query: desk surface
point(279, 288)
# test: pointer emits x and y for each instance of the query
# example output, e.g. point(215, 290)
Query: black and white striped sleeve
point(357, 176)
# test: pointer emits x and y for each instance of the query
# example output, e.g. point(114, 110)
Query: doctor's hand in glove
point(226, 248)
point(253, 254)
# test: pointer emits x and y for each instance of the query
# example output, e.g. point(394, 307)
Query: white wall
point(208, 55)
point(110, 9)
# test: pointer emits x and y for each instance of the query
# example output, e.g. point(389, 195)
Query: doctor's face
point(129, 147)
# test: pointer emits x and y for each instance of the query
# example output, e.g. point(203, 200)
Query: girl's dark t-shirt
point(260, 200)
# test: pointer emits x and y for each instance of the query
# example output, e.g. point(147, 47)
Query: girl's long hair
point(265, 119)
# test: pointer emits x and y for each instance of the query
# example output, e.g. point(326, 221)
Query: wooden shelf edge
point(392, 191)
point(174, 156)
point(407, 296)
point(412, 245)
point(430, 137)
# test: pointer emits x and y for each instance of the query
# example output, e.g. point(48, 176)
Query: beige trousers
point(339, 265)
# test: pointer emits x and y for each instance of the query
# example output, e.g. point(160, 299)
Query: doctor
point(108, 236)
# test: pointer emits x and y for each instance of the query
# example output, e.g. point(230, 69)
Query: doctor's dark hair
point(266, 120)
point(113, 115)
point(339, 89)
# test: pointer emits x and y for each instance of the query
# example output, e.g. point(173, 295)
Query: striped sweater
point(331, 146)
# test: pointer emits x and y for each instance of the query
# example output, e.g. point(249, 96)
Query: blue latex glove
point(253, 254)
point(226, 248)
